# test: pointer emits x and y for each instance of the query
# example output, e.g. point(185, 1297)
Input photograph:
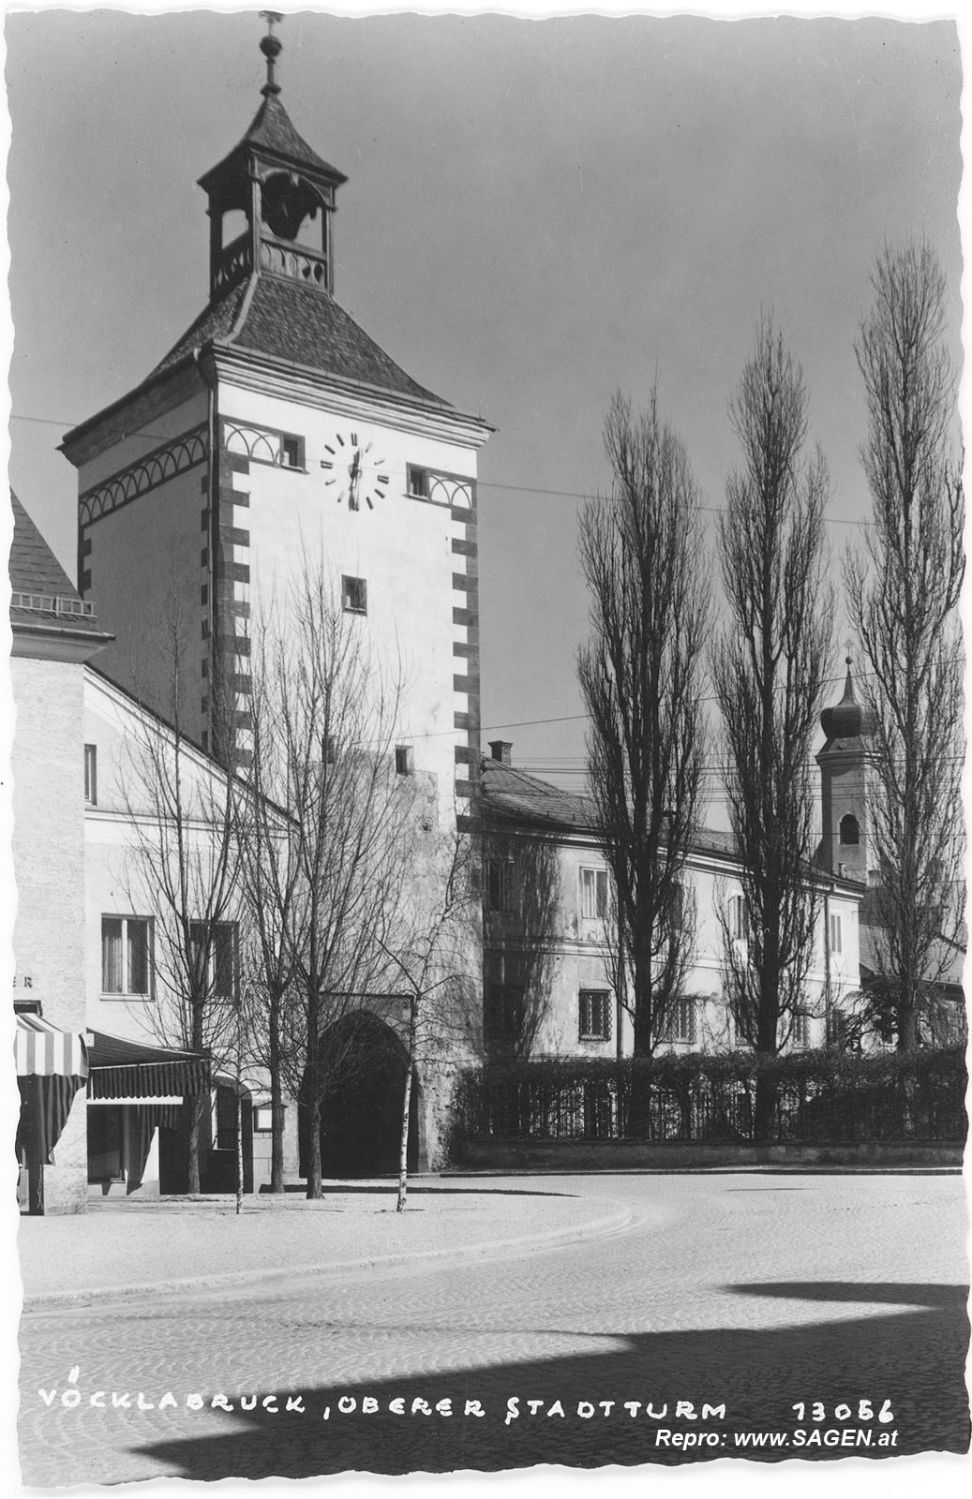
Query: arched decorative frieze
point(436, 488)
point(263, 444)
point(164, 463)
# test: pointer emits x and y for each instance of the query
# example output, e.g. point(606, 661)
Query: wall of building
point(143, 555)
point(421, 623)
point(48, 851)
point(580, 960)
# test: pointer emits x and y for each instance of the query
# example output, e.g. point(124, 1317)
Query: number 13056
point(863, 1411)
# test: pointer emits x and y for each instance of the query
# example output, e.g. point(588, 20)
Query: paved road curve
point(746, 1291)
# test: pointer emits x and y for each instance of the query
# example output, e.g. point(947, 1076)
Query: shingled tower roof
point(271, 288)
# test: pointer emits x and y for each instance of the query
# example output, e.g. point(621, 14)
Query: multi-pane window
point(738, 918)
point(354, 595)
point(91, 774)
point(594, 893)
point(500, 884)
point(214, 956)
point(800, 1032)
point(126, 951)
point(836, 933)
point(682, 1022)
point(594, 1015)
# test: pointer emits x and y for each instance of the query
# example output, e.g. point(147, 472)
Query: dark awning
point(127, 1069)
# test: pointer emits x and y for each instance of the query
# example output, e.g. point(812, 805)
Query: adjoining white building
point(53, 635)
point(549, 989)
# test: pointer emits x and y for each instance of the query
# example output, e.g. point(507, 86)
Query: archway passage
point(362, 1108)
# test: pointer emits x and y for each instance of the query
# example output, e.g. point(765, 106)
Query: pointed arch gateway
point(362, 1109)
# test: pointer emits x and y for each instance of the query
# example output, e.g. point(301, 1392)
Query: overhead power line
point(564, 494)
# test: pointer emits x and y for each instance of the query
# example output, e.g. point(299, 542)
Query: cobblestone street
point(756, 1292)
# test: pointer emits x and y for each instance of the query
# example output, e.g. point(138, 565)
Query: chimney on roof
point(501, 750)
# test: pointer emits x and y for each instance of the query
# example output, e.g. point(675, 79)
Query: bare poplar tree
point(903, 595)
point(641, 676)
point(180, 807)
point(770, 667)
point(325, 879)
point(521, 876)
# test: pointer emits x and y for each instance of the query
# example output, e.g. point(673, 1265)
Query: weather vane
point(270, 46)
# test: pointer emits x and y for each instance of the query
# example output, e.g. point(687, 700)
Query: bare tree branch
point(641, 677)
point(904, 592)
point(769, 667)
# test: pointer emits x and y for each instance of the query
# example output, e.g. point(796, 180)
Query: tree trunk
point(194, 1105)
point(277, 1112)
point(764, 1122)
point(406, 1107)
point(314, 1172)
point(403, 1146)
point(239, 1148)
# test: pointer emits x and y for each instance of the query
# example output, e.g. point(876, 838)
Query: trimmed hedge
point(821, 1098)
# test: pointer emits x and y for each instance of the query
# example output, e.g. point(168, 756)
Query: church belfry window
point(850, 832)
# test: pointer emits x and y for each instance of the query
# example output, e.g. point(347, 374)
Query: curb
point(616, 1222)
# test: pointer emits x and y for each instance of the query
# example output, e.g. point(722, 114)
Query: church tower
point(843, 763)
point(273, 429)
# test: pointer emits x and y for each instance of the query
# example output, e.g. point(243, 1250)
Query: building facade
point(53, 635)
point(550, 982)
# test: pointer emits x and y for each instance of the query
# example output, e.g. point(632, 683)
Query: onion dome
point(847, 719)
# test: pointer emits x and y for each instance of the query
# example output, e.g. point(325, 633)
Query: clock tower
point(274, 431)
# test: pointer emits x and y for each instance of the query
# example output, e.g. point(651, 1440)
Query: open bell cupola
point(271, 199)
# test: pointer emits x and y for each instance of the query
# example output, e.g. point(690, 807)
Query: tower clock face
point(354, 471)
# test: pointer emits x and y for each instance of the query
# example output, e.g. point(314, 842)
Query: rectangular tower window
point(291, 452)
point(418, 481)
point(91, 774)
point(403, 759)
point(354, 595)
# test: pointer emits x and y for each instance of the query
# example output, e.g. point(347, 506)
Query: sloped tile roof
point(215, 323)
point(272, 128)
point(36, 571)
point(286, 320)
point(512, 794)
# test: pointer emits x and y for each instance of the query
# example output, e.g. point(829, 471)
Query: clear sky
point(538, 213)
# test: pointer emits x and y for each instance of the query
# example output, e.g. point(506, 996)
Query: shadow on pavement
point(913, 1359)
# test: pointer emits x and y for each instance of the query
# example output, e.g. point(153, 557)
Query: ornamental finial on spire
point(271, 47)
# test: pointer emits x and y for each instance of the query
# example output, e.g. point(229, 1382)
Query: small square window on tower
point(418, 481)
point(291, 451)
point(354, 595)
point(403, 759)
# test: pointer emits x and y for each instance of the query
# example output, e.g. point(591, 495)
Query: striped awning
point(122, 1069)
point(44, 1051)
